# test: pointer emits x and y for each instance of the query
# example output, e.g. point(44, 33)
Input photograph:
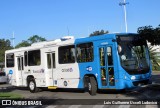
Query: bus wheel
point(92, 86)
point(32, 86)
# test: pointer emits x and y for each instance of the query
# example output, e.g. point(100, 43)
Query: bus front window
point(133, 54)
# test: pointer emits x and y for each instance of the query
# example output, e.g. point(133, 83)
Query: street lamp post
point(13, 38)
point(125, 14)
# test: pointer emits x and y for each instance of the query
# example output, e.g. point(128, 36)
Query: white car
point(3, 77)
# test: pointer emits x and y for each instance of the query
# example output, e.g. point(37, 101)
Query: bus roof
point(101, 37)
point(59, 42)
point(40, 45)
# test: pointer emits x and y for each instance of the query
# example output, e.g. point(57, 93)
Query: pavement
point(151, 91)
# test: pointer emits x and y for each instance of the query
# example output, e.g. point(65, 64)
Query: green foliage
point(23, 44)
point(31, 40)
point(9, 95)
point(95, 33)
point(150, 34)
point(35, 39)
point(154, 58)
point(4, 45)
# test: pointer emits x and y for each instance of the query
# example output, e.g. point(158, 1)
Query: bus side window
point(34, 58)
point(10, 60)
point(66, 54)
point(84, 52)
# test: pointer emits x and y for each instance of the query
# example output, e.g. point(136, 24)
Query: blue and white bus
point(109, 61)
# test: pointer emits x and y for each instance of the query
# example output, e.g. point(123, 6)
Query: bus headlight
point(133, 78)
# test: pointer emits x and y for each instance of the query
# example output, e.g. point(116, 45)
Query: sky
point(53, 19)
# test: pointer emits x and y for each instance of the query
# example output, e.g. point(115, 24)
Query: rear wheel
point(32, 86)
point(92, 86)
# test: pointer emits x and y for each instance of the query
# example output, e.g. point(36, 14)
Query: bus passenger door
point(20, 70)
point(51, 65)
point(106, 66)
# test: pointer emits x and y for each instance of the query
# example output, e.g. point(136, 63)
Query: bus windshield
point(133, 54)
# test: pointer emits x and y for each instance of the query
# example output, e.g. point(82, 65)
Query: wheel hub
point(89, 86)
point(31, 85)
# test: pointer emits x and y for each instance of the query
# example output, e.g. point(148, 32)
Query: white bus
point(38, 66)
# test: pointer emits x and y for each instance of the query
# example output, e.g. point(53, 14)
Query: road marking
point(74, 106)
point(98, 106)
point(124, 106)
point(51, 106)
point(151, 106)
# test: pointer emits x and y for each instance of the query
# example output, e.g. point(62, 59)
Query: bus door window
point(102, 57)
point(109, 56)
point(110, 66)
point(111, 76)
point(102, 66)
point(53, 59)
point(25, 58)
point(49, 62)
point(20, 63)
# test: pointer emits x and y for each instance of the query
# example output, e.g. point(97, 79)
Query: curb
point(3, 89)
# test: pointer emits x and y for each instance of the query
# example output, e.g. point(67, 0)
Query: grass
point(157, 68)
point(8, 95)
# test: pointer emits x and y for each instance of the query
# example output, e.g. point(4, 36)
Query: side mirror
point(119, 49)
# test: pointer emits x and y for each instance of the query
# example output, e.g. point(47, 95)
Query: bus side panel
point(87, 69)
point(38, 72)
point(93, 67)
point(11, 76)
point(10, 72)
point(35, 71)
point(68, 75)
point(90, 67)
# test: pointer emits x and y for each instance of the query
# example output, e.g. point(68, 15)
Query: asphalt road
point(144, 92)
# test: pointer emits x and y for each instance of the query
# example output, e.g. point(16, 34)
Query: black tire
point(92, 86)
point(32, 86)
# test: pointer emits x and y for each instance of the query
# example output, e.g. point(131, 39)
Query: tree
point(29, 41)
point(153, 57)
point(23, 44)
point(95, 33)
point(150, 34)
point(36, 38)
point(4, 45)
